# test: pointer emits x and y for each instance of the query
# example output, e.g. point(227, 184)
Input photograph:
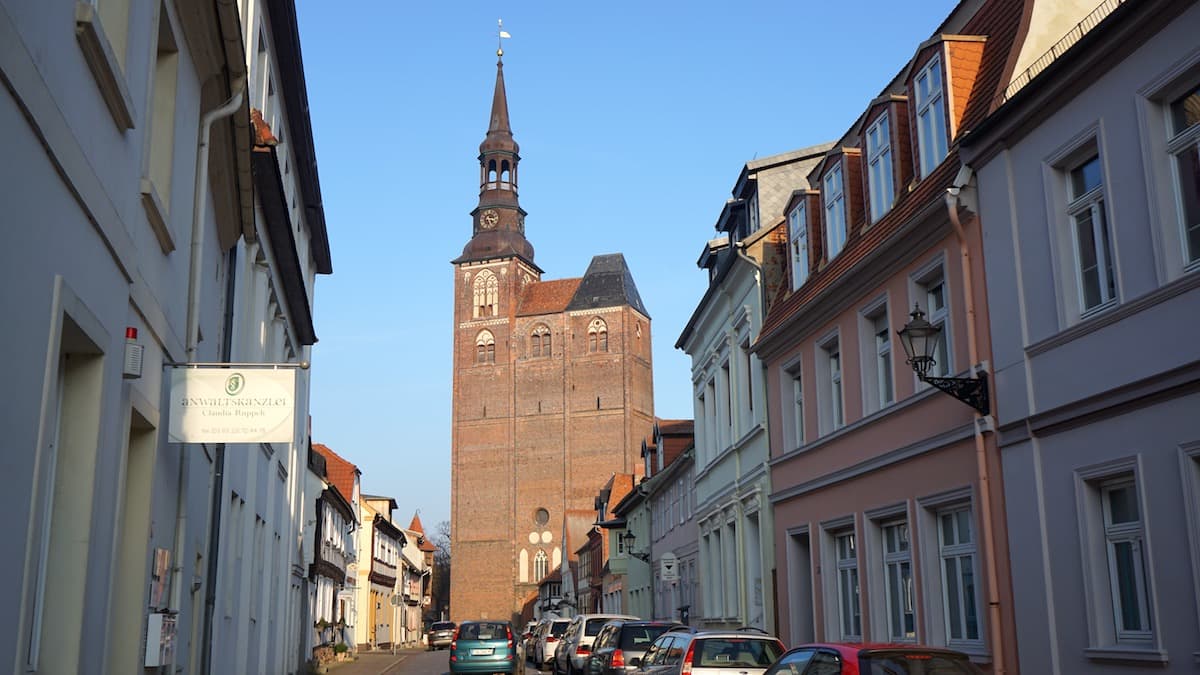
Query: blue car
point(483, 647)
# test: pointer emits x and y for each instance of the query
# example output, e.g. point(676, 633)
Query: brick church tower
point(553, 393)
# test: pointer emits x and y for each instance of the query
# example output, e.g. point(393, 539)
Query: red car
point(872, 659)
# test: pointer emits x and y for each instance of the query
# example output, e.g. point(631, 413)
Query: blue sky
point(634, 119)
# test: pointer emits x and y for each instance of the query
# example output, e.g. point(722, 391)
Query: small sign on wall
point(232, 405)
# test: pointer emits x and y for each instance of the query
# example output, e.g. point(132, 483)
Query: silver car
point(738, 652)
point(572, 654)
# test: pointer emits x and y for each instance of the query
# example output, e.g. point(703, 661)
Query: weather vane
point(500, 37)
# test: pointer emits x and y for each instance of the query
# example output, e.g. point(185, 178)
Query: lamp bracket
point(970, 390)
point(644, 557)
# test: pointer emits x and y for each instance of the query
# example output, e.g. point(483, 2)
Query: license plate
point(478, 651)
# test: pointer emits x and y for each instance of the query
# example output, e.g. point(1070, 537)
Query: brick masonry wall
point(528, 434)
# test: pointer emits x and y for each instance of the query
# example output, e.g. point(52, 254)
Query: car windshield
point(638, 638)
point(737, 652)
point(915, 663)
point(483, 631)
point(443, 625)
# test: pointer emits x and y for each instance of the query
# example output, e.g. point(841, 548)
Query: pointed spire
point(499, 134)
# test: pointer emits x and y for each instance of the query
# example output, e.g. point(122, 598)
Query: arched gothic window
point(505, 177)
point(540, 341)
point(485, 347)
point(541, 566)
point(491, 174)
point(487, 295)
point(597, 336)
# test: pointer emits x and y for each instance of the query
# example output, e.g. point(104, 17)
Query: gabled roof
point(607, 283)
point(338, 469)
point(423, 541)
point(547, 297)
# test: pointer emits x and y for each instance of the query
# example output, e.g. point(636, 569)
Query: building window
point(487, 294)
point(798, 237)
point(829, 386)
point(957, 549)
point(539, 342)
point(541, 564)
point(1125, 551)
point(835, 386)
point(849, 609)
point(485, 347)
point(162, 126)
point(835, 211)
point(797, 394)
point(931, 293)
point(1093, 254)
point(931, 116)
point(598, 336)
point(898, 580)
point(876, 355)
point(879, 162)
point(752, 215)
point(1185, 147)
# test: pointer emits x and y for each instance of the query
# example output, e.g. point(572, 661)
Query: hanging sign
point(232, 405)
point(668, 567)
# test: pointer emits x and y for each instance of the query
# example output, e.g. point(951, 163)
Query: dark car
point(441, 633)
point(483, 647)
point(622, 644)
point(867, 659)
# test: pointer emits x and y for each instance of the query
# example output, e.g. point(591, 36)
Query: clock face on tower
point(489, 219)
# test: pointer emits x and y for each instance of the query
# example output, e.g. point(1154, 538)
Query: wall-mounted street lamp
point(920, 340)
point(628, 540)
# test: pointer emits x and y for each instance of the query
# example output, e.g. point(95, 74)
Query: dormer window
point(751, 216)
point(835, 210)
point(879, 163)
point(798, 238)
point(931, 116)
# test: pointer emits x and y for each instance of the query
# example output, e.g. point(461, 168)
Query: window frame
point(1127, 532)
point(931, 103)
point(922, 284)
point(798, 244)
point(848, 573)
point(834, 204)
point(1179, 142)
point(958, 550)
point(1090, 203)
point(880, 167)
point(898, 558)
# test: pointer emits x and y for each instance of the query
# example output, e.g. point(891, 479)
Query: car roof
point(850, 649)
point(743, 635)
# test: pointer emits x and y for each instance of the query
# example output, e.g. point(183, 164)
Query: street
point(407, 662)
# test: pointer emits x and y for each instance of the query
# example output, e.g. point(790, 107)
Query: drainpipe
point(983, 475)
point(192, 339)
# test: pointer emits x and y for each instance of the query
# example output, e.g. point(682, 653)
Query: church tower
point(552, 394)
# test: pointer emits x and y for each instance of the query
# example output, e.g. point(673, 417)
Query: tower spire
point(499, 220)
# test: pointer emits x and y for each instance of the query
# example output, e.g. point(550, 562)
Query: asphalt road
point(409, 662)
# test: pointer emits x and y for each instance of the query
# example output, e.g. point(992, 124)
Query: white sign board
point(232, 405)
point(668, 567)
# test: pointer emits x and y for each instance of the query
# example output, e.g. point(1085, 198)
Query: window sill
point(1125, 654)
point(101, 60)
point(156, 213)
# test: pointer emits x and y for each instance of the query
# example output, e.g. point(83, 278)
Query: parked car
point(860, 659)
point(546, 639)
point(686, 650)
point(622, 641)
point(483, 647)
point(570, 657)
point(441, 634)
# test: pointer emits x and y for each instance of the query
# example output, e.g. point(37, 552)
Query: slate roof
point(547, 297)
point(607, 283)
point(338, 469)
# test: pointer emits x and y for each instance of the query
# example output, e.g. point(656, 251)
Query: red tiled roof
point(415, 526)
point(668, 427)
point(547, 297)
point(999, 21)
point(339, 470)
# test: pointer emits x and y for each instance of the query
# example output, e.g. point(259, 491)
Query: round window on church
point(541, 516)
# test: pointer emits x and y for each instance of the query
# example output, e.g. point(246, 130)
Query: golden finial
point(501, 34)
